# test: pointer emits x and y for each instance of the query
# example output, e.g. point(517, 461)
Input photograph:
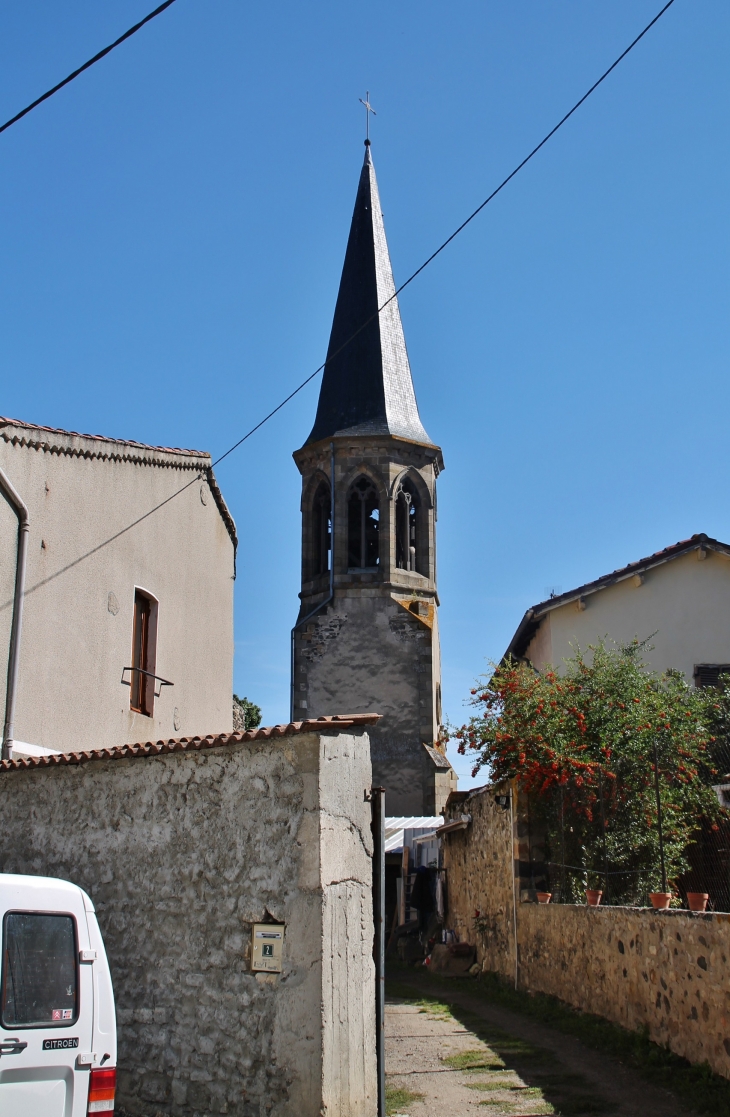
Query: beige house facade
point(128, 612)
point(678, 599)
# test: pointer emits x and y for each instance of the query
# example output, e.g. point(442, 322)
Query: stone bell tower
point(366, 638)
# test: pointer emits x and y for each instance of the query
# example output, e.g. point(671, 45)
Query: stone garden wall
point(664, 971)
point(667, 972)
point(182, 846)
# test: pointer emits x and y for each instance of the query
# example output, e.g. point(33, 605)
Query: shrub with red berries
point(584, 743)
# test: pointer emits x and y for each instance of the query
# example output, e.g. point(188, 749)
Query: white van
point(58, 1036)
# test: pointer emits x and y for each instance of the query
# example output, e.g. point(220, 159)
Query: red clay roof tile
point(192, 744)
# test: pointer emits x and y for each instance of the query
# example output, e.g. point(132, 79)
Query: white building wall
point(683, 605)
point(77, 626)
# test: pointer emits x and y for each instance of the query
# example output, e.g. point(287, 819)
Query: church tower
point(367, 634)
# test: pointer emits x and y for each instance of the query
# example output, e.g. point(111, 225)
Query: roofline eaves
point(42, 441)
point(224, 512)
point(533, 617)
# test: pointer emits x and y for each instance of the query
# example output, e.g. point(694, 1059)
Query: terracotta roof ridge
point(532, 617)
point(6, 421)
point(672, 551)
point(191, 744)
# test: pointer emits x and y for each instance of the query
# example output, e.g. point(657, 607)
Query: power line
point(410, 279)
point(97, 57)
point(456, 232)
point(534, 152)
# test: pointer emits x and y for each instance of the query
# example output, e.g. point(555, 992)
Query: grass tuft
point(397, 1099)
point(696, 1085)
point(489, 1087)
point(474, 1060)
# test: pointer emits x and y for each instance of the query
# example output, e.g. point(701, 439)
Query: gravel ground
point(440, 1064)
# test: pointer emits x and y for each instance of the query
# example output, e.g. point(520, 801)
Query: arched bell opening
point(408, 527)
point(363, 526)
point(321, 530)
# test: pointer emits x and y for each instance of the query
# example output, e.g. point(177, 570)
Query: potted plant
point(697, 901)
point(544, 897)
point(594, 892)
point(660, 894)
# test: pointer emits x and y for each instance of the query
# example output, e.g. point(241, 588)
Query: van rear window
point(39, 979)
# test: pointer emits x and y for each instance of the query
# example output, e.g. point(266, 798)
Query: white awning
point(416, 826)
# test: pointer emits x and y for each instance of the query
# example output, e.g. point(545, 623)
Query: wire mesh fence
point(564, 863)
point(709, 877)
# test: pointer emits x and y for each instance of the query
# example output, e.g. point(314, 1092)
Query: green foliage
point(248, 714)
point(718, 712)
point(397, 1099)
point(589, 746)
point(473, 1060)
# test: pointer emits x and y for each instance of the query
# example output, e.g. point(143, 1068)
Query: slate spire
point(366, 386)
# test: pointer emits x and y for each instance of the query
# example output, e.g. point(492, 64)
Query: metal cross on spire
point(368, 109)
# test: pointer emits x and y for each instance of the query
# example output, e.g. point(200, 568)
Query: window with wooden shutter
point(709, 674)
point(144, 649)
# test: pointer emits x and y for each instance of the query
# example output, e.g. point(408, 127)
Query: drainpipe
point(331, 593)
point(21, 512)
point(514, 885)
point(377, 798)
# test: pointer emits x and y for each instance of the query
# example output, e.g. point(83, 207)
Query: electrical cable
point(410, 279)
point(455, 234)
point(97, 57)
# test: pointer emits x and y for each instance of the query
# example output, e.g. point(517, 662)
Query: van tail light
point(102, 1085)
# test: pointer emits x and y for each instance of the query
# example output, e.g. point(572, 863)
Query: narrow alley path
point(445, 1061)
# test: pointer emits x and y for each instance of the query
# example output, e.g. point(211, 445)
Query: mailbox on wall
point(268, 947)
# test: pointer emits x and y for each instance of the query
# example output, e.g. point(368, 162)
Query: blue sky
point(172, 228)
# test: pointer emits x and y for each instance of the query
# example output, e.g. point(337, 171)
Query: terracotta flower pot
point(697, 901)
point(544, 897)
point(660, 900)
point(593, 897)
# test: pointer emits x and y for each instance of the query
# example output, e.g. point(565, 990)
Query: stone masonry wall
point(664, 971)
point(369, 653)
point(478, 878)
point(181, 852)
point(639, 968)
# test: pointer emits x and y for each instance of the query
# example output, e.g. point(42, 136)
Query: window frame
point(3, 976)
point(142, 688)
point(702, 670)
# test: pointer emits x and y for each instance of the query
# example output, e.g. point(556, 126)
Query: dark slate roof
point(533, 617)
point(367, 387)
point(438, 759)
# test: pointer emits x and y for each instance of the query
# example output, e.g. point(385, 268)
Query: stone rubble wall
point(181, 852)
point(666, 972)
point(478, 879)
